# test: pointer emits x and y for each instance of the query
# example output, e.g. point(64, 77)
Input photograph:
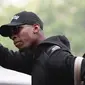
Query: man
point(49, 61)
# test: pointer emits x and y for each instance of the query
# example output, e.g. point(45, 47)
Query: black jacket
point(47, 65)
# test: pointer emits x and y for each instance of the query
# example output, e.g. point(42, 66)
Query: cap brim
point(6, 29)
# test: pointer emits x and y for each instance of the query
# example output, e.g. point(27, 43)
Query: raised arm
point(19, 61)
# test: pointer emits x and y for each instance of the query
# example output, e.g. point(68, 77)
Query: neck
point(39, 39)
point(42, 38)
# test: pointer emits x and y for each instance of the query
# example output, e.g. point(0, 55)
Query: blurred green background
point(60, 17)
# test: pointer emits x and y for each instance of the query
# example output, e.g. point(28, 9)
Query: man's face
point(23, 36)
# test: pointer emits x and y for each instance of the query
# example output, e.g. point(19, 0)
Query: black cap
point(21, 18)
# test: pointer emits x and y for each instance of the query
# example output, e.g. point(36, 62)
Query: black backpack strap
point(47, 53)
point(52, 49)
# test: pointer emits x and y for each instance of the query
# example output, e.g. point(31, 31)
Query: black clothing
point(19, 60)
point(50, 64)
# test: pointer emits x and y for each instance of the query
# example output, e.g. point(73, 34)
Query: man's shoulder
point(59, 40)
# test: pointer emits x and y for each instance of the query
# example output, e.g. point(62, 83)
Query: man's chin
point(20, 47)
point(23, 46)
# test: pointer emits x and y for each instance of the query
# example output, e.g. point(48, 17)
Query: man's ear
point(36, 28)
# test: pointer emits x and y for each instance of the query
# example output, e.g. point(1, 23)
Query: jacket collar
point(59, 40)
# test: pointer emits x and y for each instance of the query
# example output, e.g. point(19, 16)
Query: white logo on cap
point(15, 17)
